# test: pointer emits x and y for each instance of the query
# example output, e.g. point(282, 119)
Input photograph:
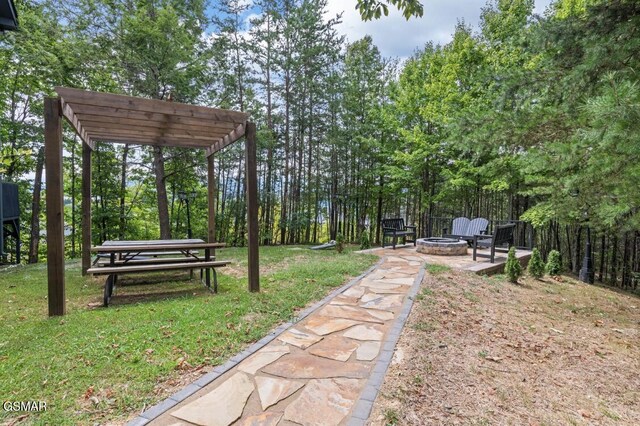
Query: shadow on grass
point(130, 281)
point(124, 299)
point(132, 290)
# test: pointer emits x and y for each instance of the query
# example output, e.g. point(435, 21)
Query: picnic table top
point(114, 246)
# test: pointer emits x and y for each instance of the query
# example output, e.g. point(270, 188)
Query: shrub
point(554, 264)
point(536, 265)
point(513, 268)
point(339, 243)
point(365, 242)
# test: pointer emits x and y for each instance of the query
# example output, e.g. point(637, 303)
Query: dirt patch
point(478, 350)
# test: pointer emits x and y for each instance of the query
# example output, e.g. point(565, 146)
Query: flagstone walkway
point(322, 370)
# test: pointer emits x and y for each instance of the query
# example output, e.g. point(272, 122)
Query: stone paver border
point(362, 408)
point(157, 410)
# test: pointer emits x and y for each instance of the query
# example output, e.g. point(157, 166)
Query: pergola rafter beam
point(227, 140)
point(149, 140)
point(153, 133)
point(116, 115)
point(91, 121)
point(71, 117)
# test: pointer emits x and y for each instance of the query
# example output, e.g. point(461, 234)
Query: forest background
point(529, 118)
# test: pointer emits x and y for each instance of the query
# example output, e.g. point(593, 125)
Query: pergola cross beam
point(107, 117)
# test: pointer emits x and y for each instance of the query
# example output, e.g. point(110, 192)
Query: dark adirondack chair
point(465, 229)
point(502, 234)
point(396, 228)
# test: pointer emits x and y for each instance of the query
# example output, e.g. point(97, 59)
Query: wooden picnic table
point(134, 257)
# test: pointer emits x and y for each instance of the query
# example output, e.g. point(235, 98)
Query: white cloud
point(397, 37)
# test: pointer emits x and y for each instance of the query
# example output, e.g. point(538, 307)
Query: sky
point(397, 37)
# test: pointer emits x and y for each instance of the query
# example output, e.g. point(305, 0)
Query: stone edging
point(175, 399)
point(362, 409)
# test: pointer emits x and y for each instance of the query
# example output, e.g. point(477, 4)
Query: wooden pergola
point(105, 117)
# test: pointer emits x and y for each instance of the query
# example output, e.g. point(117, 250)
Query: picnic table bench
point(127, 257)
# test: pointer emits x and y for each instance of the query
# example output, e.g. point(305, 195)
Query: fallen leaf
point(89, 392)
point(586, 414)
point(182, 364)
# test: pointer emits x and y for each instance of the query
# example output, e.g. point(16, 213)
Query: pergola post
point(211, 197)
point(86, 207)
point(252, 205)
point(55, 205)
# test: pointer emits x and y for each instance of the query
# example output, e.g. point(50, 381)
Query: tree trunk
point(603, 248)
point(266, 212)
point(123, 189)
point(73, 198)
point(576, 262)
point(379, 215)
point(285, 193)
point(614, 262)
point(161, 193)
point(237, 238)
point(570, 256)
point(307, 235)
point(34, 242)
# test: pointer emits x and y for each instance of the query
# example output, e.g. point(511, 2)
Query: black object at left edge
point(8, 16)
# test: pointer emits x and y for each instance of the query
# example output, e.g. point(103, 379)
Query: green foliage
point(554, 263)
point(536, 265)
point(391, 417)
point(374, 9)
point(365, 241)
point(339, 242)
point(512, 268)
point(567, 8)
point(589, 118)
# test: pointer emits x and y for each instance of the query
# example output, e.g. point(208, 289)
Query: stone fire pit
point(442, 246)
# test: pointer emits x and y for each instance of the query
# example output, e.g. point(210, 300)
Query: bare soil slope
point(482, 351)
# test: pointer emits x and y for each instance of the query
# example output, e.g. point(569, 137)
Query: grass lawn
point(96, 365)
